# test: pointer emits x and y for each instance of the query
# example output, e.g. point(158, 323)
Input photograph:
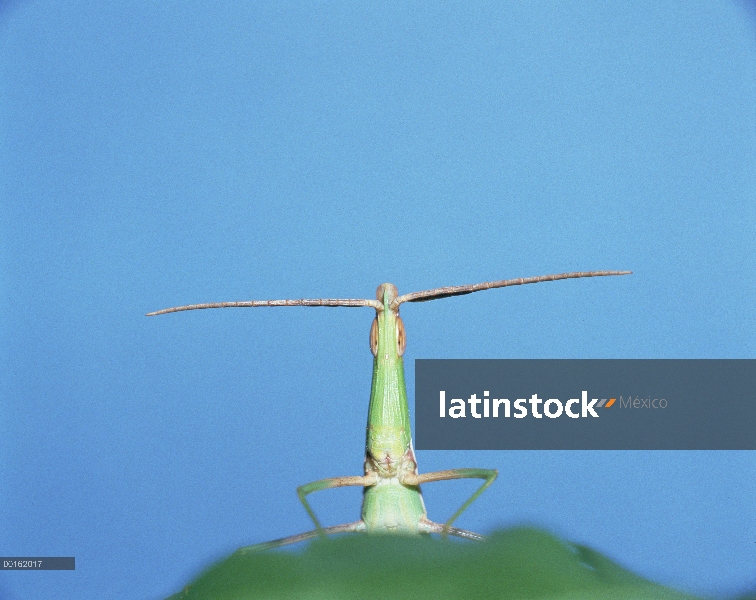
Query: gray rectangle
point(674, 404)
point(37, 563)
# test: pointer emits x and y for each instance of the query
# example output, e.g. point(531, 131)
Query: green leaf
point(519, 563)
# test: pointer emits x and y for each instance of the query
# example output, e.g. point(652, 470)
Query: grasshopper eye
point(401, 337)
point(374, 337)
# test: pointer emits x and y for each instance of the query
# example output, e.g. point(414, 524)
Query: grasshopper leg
point(357, 526)
point(325, 484)
point(488, 474)
point(427, 526)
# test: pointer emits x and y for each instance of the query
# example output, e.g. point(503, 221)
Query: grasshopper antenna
point(349, 302)
point(434, 294)
point(461, 290)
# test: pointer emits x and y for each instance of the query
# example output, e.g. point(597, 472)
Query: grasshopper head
point(393, 327)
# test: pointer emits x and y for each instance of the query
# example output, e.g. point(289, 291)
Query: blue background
point(155, 154)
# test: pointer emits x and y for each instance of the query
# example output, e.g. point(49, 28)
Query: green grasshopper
point(392, 501)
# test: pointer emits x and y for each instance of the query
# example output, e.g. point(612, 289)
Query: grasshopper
point(392, 500)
